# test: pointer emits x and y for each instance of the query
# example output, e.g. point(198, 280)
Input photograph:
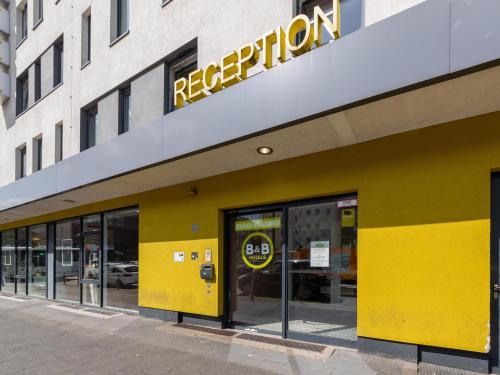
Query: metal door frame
point(494, 274)
point(284, 207)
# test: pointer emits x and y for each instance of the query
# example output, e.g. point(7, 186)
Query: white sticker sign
point(320, 254)
point(179, 256)
point(347, 203)
point(208, 255)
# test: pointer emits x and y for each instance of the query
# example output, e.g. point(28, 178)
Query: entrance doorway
point(293, 270)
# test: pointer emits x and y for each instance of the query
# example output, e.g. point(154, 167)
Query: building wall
point(423, 217)
point(155, 32)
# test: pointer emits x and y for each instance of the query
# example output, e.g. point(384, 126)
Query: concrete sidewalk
point(40, 337)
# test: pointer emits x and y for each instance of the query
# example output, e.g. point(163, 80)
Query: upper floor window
point(22, 93)
point(86, 37)
point(37, 12)
point(177, 70)
point(119, 18)
point(88, 128)
point(38, 80)
point(22, 22)
point(37, 153)
point(21, 162)
point(350, 12)
point(58, 155)
point(58, 62)
point(124, 114)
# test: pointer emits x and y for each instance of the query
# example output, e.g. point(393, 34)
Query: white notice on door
point(320, 254)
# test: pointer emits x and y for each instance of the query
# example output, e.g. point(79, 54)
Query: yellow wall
point(423, 230)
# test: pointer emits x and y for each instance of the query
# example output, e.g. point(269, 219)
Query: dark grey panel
point(135, 149)
point(165, 315)
point(30, 188)
point(389, 349)
point(380, 58)
point(469, 361)
point(475, 32)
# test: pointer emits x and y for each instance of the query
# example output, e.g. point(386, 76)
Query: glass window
point(67, 254)
point(350, 13)
point(21, 261)
point(322, 271)
point(37, 11)
point(121, 259)
point(91, 259)
point(58, 62)
point(121, 18)
point(38, 81)
point(8, 261)
point(22, 94)
point(177, 70)
point(37, 154)
point(59, 143)
point(37, 261)
point(89, 128)
point(24, 21)
point(125, 111)
point(86, 37)
point(21, 162)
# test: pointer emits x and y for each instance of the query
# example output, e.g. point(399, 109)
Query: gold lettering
point(248, 56)
point(229, 69)
point(180, 96)
point(332, 27)
point(265, 43)
point(196, 85)
point(281, 44)
point(211, 84)
point(298, 24)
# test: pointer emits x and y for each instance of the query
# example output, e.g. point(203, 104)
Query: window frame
point(85, 135)
point(58, 63)
point(171, 75)
point(37, 10)
point(124, 112)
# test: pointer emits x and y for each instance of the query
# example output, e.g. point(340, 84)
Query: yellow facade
point(424, 226)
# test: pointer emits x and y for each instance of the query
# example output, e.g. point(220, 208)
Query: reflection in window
point(8, 261)
point(21, 261)
point(37, 261)
point(350, 13)
point(322, 272)
point(67, 254)
point(121, 261)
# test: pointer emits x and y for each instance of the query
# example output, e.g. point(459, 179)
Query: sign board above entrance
point(298, 38)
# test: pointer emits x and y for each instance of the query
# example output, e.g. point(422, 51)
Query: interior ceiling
point(463, 97)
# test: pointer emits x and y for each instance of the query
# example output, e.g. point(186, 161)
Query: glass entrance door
point(256, 246)
point(293, 270)
point(91, 260)
point(322, 272)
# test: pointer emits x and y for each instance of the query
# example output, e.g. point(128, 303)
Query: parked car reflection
point(122, 275)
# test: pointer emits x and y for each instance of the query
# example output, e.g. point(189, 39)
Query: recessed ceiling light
point(69, 201)
point(264, 150)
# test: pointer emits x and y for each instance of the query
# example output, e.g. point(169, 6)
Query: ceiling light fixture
point(264, 150)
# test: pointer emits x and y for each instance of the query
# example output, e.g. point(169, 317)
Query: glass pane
point(92, 130)
point(8, 261)
point(68, 260)
point(322, 270)
point(21, 262)
point(91, 269)
point(122, 16)
point(256, 259)
point(37, 261)
point(121, 259)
